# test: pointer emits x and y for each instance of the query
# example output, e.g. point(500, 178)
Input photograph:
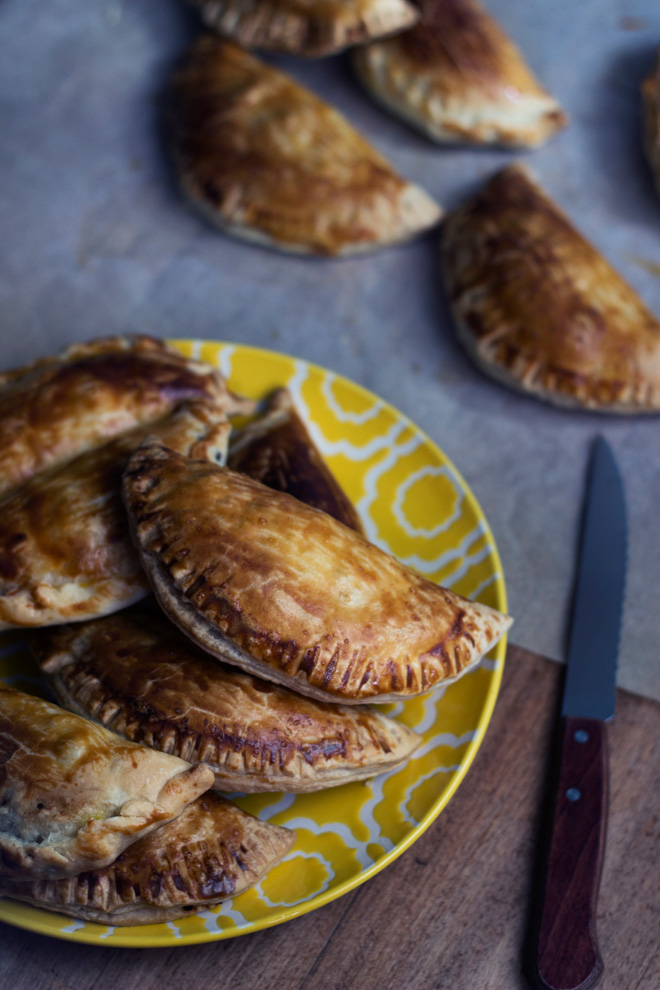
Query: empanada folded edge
point(211, 852)
point(270, 26)
point(339, 647)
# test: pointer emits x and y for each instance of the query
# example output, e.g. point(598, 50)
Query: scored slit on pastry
point(60, 407)
point(277, 450)
point(212, 851)
point(457, 77)
point(65, 549)
point(74, 795)
point(267, 160)
point(540, 309)
point(312, 28)
point(288, 593)
point(143, 679)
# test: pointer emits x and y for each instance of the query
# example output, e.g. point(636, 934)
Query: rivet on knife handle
point(565, 950)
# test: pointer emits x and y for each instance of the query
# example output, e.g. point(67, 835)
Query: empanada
point(211, 852)
point(58, 408)
point(139, 676)
point(65, 549)
point(278, 451)
point(306, 27)
point(286, 592)
point(457, 77)
point(651, 97)
point(73, 795)
point(269, 161)
point(540, 309)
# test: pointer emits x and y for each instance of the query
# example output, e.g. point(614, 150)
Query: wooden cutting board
point(452, 912)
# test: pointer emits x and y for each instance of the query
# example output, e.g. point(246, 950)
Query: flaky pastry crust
point(312, 28)
point(65, 549)
point(141, 678)
point(63, 406)
point(540, 309)
point(277, 450)
point(288, 593)
point(269, 161)
point(212, 851)
point(457, 77)
point(73, 795)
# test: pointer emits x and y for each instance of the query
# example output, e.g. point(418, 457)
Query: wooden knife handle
point(565, 953)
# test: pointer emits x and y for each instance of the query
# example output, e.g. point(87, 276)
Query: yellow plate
point(414, 504)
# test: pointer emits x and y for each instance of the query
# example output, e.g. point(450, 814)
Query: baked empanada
point(457, 77)
point(212, 851)
point(269, 161)
point(73, 795)
point(651, 97)
point(65, 549)
point(278, 451)
point(141, 678)
point(540, 309)
point(58, 408)
point(288, 593)
point(306, 27)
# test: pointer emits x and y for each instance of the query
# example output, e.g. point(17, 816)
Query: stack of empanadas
point(67, 427)
point(78, 805)
point(289, 620)
point(108, 830)
point(140, 677)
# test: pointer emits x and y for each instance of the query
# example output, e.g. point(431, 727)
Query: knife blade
point(565, 954)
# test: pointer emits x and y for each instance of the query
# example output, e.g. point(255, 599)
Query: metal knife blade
point(565, 952)
point(598, 598)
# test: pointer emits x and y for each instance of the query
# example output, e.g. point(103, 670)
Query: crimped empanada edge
point(532, 378)
point(210, 639)
point(416, 213)
point(103, 840)
point(405, 742)
point(141, 911)
point(490, 123)
point(575, 398)
point(142, 475)
point(294, 33)
point(27, 608)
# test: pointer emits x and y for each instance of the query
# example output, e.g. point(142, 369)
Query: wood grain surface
point(565, 951)
point(452, 912)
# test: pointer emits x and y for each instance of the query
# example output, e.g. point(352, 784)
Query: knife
point(565, 953)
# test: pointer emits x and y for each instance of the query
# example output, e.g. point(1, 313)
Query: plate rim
point(115, 939)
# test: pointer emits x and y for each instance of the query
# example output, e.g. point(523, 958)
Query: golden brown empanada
point(58, 408)
point(540, 309)
point(458, 78)
point(65, 549)
point(651, 97)
point(74, 795)
point(269, 161)
point(212, 851)
point(141, 678)
point(288, 593)
point(278, 451)
point(306, 27)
